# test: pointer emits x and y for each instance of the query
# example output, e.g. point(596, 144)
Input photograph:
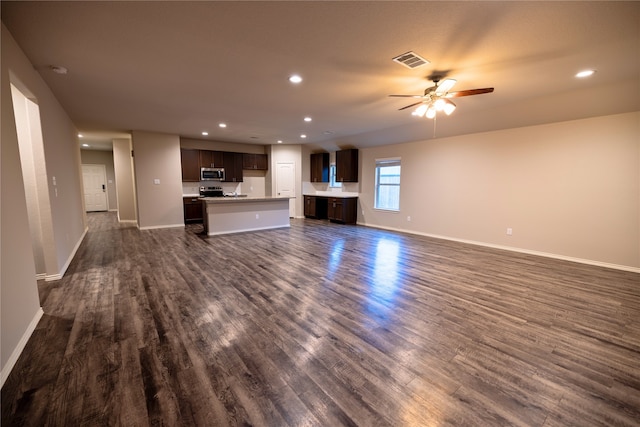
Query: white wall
point(18, 290)
point(157, 157)
point(234, 147)
point(569, 189)
point(62, 214)
point(102, 157)
point(125, 186)
point(27, 120)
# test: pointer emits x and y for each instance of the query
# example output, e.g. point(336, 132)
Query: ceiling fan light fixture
point(449, 107)
point(445, 86)
point(436, 98)
point(420, 110)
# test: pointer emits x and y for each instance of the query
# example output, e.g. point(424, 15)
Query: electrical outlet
point(509, 231)
point(409, 218)
point(156, 181)
point(257, 216)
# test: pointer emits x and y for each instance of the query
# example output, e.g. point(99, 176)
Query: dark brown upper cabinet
point(254, 161)
point(320, 167)
point(211, 159)
point(190, 161)
point(347, 165)
point(232, 167)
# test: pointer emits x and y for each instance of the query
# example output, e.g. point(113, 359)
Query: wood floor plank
point(322, 324)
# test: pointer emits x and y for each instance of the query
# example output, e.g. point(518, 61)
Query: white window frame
point(332, 177)
point(381, 163)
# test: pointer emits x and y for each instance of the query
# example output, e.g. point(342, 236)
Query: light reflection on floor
point(335, 257)
point(384, 282)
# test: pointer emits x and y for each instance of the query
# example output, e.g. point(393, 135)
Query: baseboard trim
point(60, 275)
point(513, 249)
point(155, 227)
point(41, 276)
point(245, 230)
point(11, 362)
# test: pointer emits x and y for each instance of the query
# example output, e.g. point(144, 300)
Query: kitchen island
point(224, 215)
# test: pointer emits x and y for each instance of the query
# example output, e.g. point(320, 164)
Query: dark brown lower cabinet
point(338, 209)
point(342, 209)
point(192, 209)
point(315, 207)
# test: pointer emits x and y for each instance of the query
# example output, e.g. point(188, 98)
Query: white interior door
point(286, 184)
point(94, 178)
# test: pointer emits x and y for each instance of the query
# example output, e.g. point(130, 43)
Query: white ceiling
point(183, 67)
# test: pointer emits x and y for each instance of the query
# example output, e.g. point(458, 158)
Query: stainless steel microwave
point(211, 174)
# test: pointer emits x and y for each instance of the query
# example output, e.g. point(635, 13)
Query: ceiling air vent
point(410, 60)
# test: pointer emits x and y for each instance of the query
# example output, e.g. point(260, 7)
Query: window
point(332, 177)
point(387, 195)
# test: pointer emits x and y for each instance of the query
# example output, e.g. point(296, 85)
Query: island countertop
point(231, 214)
point(241, 199)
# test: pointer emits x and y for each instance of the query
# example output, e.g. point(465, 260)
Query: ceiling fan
point(437, 98)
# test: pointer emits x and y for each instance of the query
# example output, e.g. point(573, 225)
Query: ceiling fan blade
point(469, 92)
point(407, 96)
point(445, 86)
point(409, 106)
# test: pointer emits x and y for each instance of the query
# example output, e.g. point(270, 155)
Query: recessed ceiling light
point(585, 73)
point(85, 145)
point(303, 136)
point(279, 141)
point(307, 119)
point(80, 135)
point(205, 133)
point(295, 79)
point(222, 125)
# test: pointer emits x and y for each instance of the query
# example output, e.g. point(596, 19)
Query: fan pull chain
point(434, 125)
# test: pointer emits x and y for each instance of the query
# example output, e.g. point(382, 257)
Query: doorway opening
point(34, 175)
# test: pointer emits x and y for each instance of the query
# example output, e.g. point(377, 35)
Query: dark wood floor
point(325, 325)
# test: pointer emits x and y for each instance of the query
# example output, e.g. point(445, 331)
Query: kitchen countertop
point(191, 195)
point(336, 196)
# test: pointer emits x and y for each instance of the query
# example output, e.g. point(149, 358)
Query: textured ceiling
point(183, 67)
